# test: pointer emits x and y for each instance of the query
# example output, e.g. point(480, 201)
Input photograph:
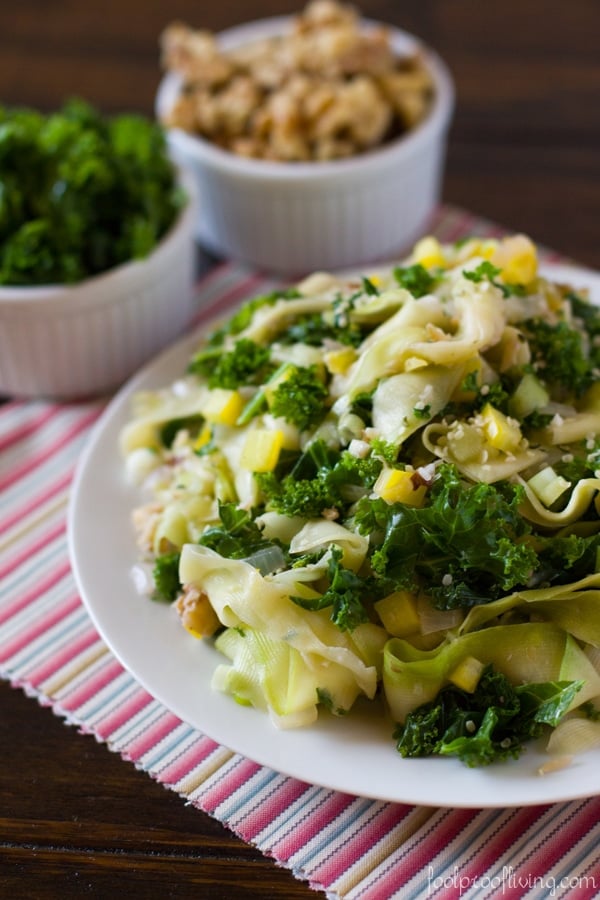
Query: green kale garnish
point(322, 478)
point(246, 363)
point(560, 354)
point(415, 279)
point(369, 288)
point(466, 546)
point(300, 397)
point(81, 193)
point(345, 595)
point(237, 536)
point(489, 725)
point(166, 577)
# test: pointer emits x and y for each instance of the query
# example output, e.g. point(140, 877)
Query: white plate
point(355, 754)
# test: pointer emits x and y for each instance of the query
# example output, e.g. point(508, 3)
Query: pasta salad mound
point(388, 486)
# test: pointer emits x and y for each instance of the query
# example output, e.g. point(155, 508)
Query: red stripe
point(36, 460)
point(126, 711)
point(305, 830)
point(497, 845)
point(364, 840)
point(228, 785)
point(152, 736)
point(52, 534)
point(62, 657)
point(416, 855)
point(34, 503)
point(24, 429)
point(223, 301)
point(195, 754)
point(558, 841)
point(39, 627)
point(45, 584)
point(79, 696)
point(265, 812)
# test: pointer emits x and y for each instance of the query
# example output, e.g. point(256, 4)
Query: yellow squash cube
point(466, 674)
point(399, 486)
point(261, 450)
point(399, 613)
point(428, 252)
point(500, 431)
point(223, 406)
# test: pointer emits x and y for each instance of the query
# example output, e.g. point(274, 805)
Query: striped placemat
point(345, 846)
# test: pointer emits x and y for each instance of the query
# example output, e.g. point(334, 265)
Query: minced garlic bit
point(328, 89)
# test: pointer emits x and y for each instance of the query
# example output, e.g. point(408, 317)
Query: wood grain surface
point(76, 820)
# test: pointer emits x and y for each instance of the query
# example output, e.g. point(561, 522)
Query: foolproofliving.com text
point(507, 880)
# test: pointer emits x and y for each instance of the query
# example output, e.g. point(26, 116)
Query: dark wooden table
point(75, 820)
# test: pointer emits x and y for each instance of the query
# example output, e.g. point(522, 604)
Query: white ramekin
point(294, 218)
point(85, 339)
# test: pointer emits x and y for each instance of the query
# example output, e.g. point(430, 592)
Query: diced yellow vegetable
point(223, 406)
point(339, 361)
point(548, 486)
point(476, 248)
point(261, 450)
point(203, 438)
point(399, 613)
point(500, 431)
point(517, 257)
point(400, 486)
point(467, 673)
point(428, 252)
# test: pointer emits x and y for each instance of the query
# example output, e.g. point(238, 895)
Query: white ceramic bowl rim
point(406, 145)
point(96, 285)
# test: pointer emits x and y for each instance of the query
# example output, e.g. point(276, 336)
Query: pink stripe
point(33, 462)
point(416, 854)
point(365, 839)
point(223, 301)
point(51, 535)
point(496, 845)
point(34, 503)
point(62, 657)
point(39, 627)
point(152, 736)
point(265, 812)
point(77, 698)
point(304, 831)
point(42, 586)
point(24, 429)
point(126, 711)
point(225, 787)
point(200, 750)
point(559, 841)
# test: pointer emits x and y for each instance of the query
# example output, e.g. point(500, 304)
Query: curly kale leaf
point(322, 478)
point(489, 725)
point(300, 397)
point(560, 354)
point(246, 363)
point(80, 193)
point(237, 536)
point(415, 279)
point(345, 595)
point(466, 546)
